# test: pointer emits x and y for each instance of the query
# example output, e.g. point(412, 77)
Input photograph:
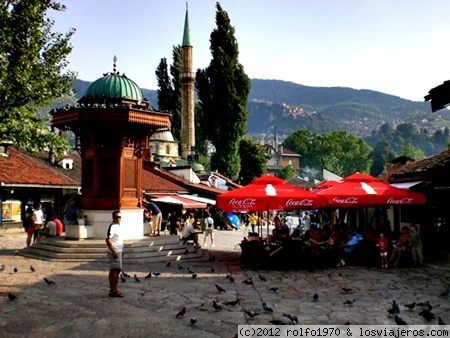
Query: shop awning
point(199, 199)
point(178, 200)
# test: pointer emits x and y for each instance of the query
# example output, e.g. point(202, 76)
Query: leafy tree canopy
point(253, 160)
point(339, 152)
point(32, 61)
point(286, 172)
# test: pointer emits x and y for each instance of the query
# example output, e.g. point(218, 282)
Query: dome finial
point(114, 64)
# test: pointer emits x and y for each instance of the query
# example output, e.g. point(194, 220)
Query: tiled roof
point(23, 169)
point(433, 168)
point(154, 183)
point(288, 152)
point(161, 177)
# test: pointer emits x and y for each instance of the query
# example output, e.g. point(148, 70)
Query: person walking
point(156, 218)
point(114, 242)
point(416, 245)
point(383, 245)
point(209, 230)
point(38, 216)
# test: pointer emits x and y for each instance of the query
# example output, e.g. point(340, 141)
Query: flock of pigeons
point(12, 296)
point(394, 310)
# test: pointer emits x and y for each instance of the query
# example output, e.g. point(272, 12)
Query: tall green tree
point(223, 89)
point(253, 160)
point(169, 89)
point(380, 155)
point(33, 59)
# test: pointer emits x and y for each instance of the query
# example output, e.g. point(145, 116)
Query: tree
point(339, 152)
point(253, 160)
point(413, 152)
point(381, 154)
point(32, 61)
point(286, 172)
point(169, 92)
point(223, 89)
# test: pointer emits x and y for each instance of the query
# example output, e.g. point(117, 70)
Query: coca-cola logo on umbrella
point(292, 204)
point(401, 201)
point(346, 200)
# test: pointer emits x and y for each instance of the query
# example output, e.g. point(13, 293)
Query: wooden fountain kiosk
point(112, 124)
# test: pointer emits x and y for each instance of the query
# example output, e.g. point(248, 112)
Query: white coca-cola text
point(246, 203)
point(299, 203)
point(347, 200)
point(405, 200)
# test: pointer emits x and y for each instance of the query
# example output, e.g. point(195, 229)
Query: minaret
point(187, 78)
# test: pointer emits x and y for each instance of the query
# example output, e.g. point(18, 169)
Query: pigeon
point(15, 270)
point(148, 276)
point(232, 302)
point(189, 270)
point(2, 267)
point(168, 264)
point(32, 269)
point(248, 281)
point(315, 297)
point(220, 289)
point(411, 306)
point(440, 321)
point(346, 290)
point(276, 322)
point(49, 282)
point(11, 296)
point(180, 267)
point(427, 315)
point(186, 251)
point(274, 289)
point(181, 313)
point(349, 302)
point(231, 279)
point(194, 276)
point(251, 313)
point(267, 308)
point(399, 321)
point(216, 306)
point(262, 278)
point(136, 279)
point(292, 318)
point(212, 270)
point(156, 274)
point(426, 306)
point(394, 309)
point(445, 293)
point(193, 320)
point(125, 274)
point(122, 278)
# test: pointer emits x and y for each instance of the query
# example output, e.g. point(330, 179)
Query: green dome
point(114, 85)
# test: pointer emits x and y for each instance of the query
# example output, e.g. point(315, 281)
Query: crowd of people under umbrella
point(312, 245)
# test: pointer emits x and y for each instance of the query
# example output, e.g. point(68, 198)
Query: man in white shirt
point(188, 231)
point(114, 241)
point(209, 229)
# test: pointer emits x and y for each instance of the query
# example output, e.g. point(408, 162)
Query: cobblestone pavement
point(78, 304)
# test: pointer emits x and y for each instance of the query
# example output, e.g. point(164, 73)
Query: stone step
point(146, 250)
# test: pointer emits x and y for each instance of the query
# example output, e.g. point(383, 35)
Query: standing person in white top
point(114, 241)
point(209, 230)
point(38, 216)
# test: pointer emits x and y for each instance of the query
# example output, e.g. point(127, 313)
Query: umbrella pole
point(268, 224)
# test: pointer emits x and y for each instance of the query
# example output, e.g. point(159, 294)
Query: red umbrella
point(268, 193)
point(360, 190)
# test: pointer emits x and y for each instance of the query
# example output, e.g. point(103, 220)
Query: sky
point(397, 47)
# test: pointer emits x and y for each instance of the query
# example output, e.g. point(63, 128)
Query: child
point(416, 244)
point(383, 244)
